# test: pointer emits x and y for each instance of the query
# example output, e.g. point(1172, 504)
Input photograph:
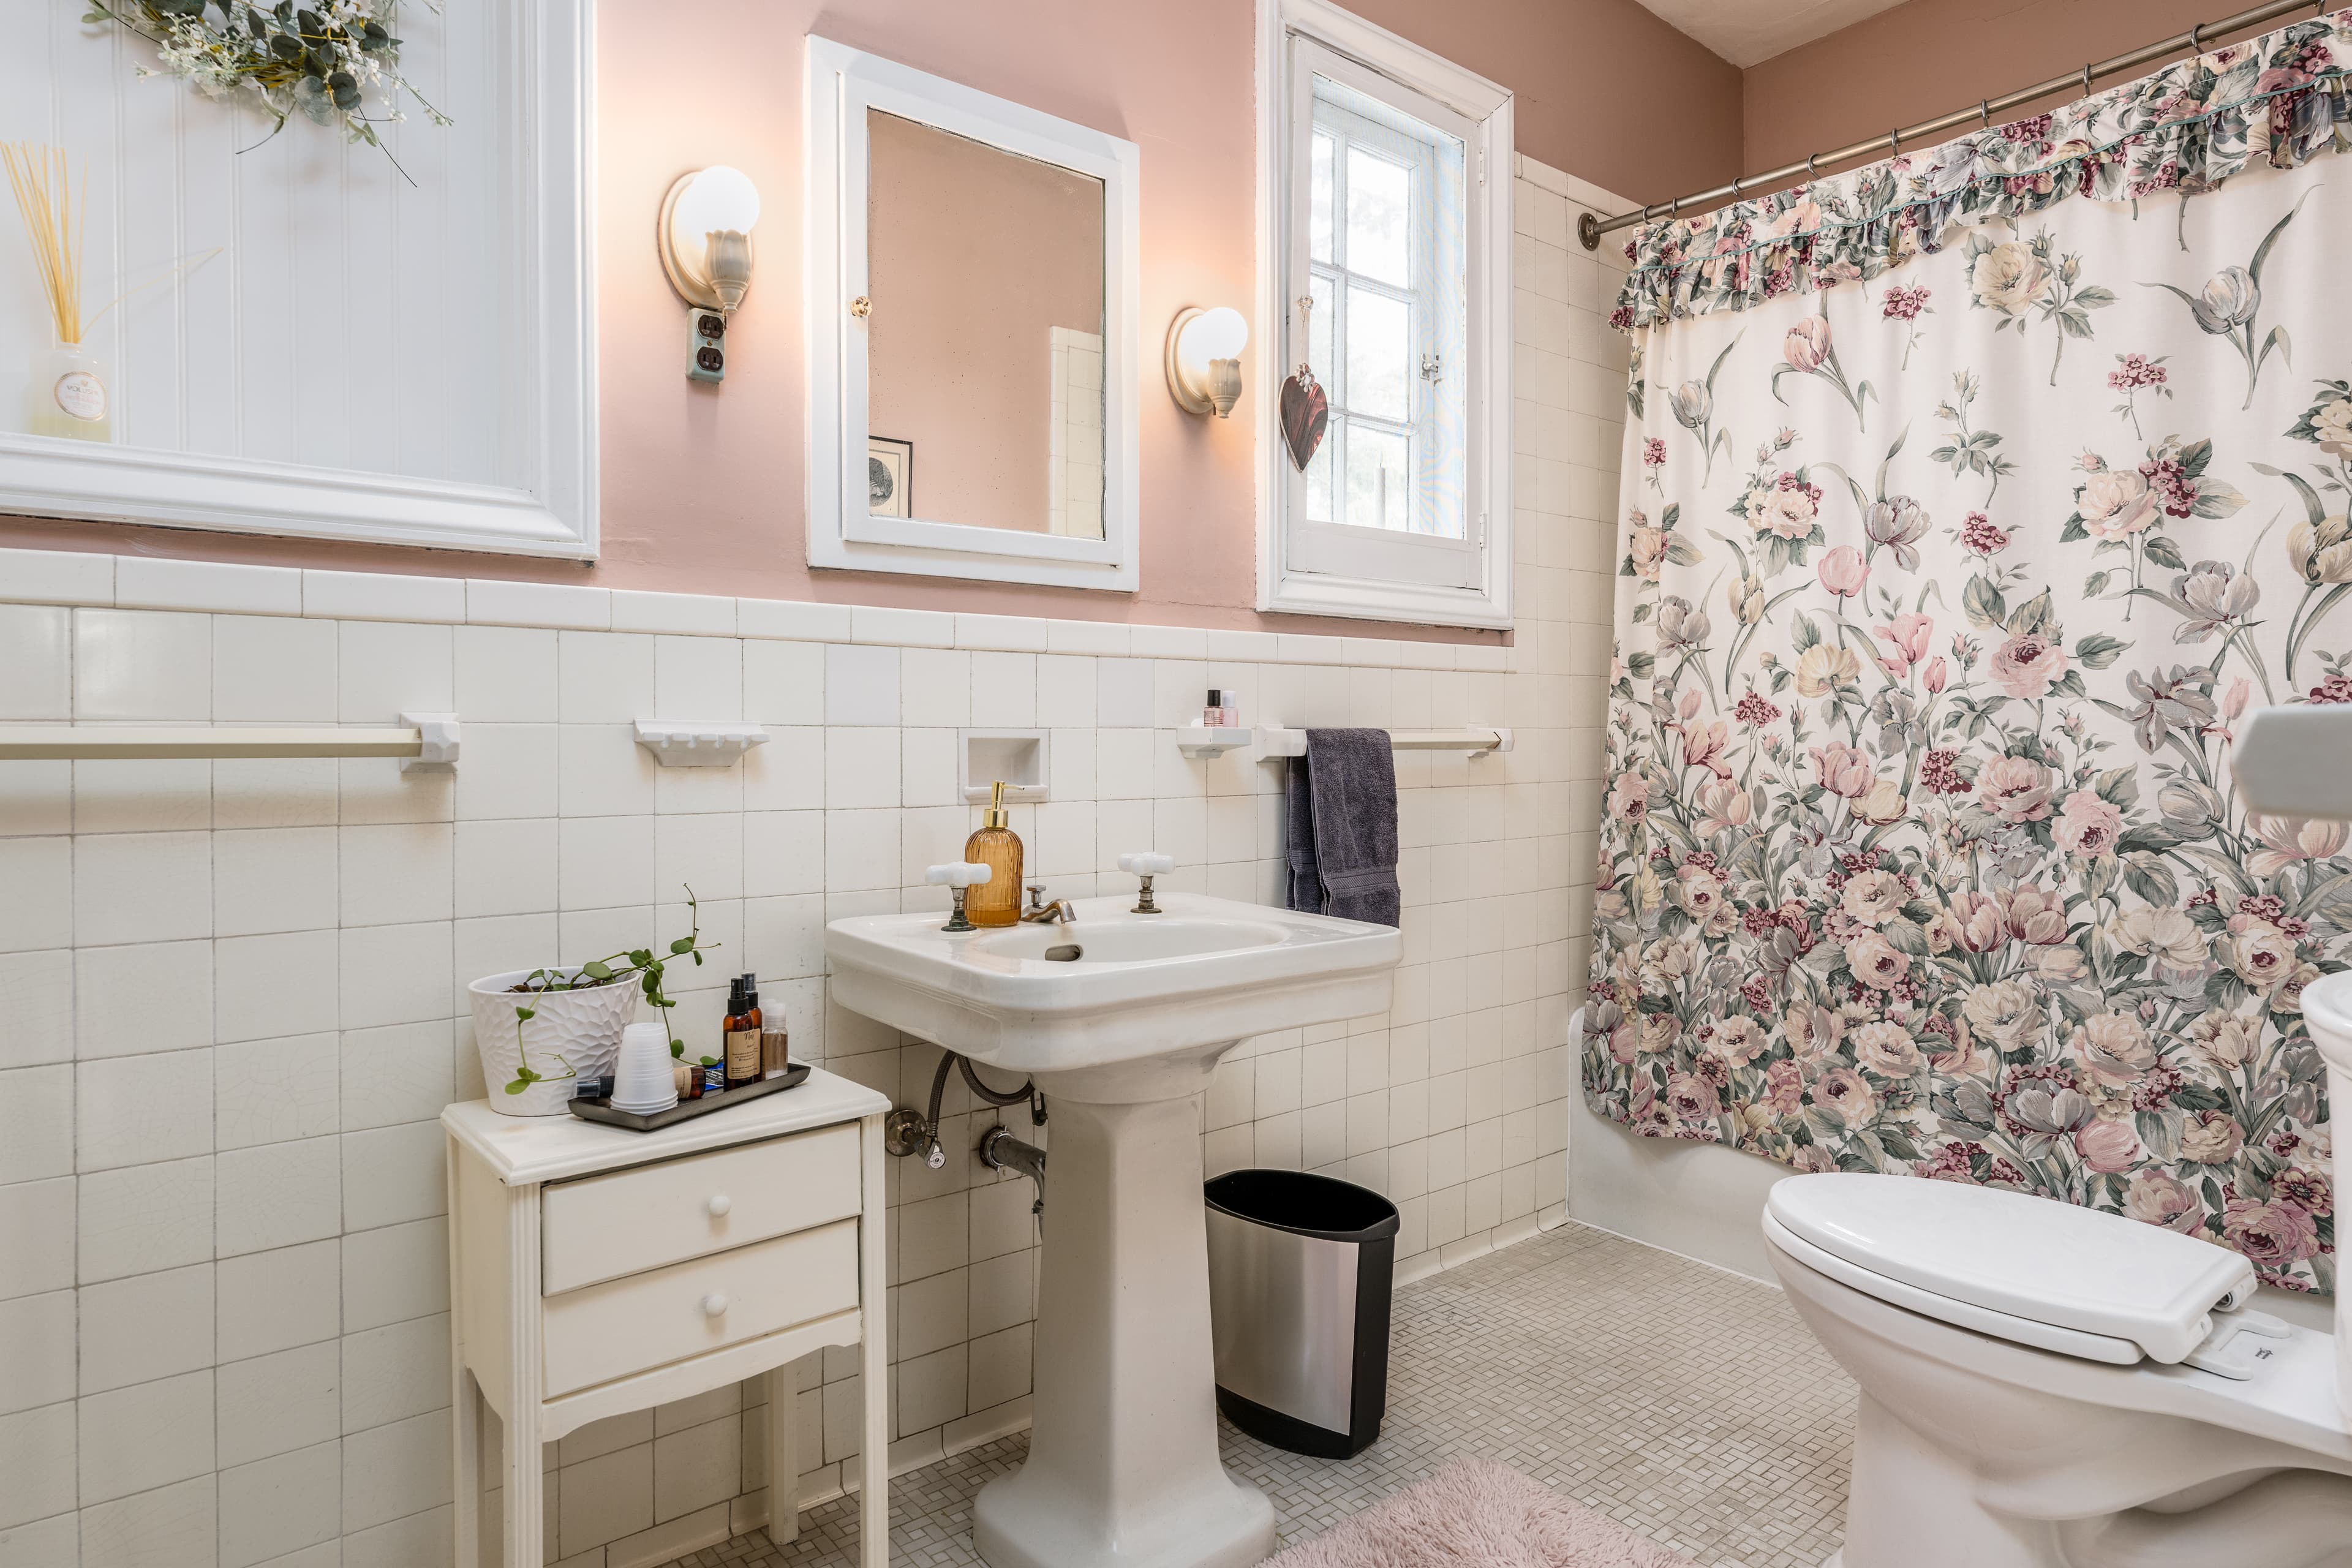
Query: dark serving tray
point(601, 1111)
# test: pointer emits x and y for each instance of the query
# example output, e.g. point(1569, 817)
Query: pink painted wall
point(702, 486)
point(975, 255)
point(1926, 57)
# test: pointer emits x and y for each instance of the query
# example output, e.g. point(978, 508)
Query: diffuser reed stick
point(52, 212)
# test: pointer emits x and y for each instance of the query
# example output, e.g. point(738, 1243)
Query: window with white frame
point(1391, 248)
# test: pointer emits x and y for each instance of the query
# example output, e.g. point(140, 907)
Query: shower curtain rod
point(1590, 227)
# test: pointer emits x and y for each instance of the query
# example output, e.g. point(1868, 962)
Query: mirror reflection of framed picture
point(889, 476)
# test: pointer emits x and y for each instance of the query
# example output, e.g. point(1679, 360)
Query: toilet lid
point(2016, 1255)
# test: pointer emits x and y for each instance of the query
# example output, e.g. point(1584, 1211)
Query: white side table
point(595, 1270)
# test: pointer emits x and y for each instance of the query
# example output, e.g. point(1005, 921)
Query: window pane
point(1377, 204)
point(1380, 478)
point(1319, 327)
point(1318, 476)
point(1318, 201)
point(1379, 343)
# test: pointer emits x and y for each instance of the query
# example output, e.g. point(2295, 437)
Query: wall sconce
point(705, 240)
point(1205, 359)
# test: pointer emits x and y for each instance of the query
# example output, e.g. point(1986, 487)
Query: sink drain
point(1065, 952)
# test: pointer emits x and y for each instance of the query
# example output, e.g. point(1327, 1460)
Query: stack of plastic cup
point(642, 1080)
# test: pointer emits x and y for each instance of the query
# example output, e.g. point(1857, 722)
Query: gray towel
point(1340, 827)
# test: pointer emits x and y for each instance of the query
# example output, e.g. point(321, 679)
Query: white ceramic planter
point(579, 1030)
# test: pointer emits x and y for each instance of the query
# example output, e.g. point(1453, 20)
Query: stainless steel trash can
point(1299, 1272)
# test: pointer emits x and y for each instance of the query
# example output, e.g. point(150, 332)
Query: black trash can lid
point(1303, 1204)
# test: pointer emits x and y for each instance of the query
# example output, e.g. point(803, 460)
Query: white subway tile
point(1087, 637)
point(37, 1119)
point(55, 577)
point(142, 664)
point(391, 668)
point(697, 678)
point(133, 1109)
point(269, 988)
point(392, 1174)
point(36, 1008)
point(489, 602)
point(278, 1403)
point(146, 582)
point(506, 674)
point(273, 671)
point(1004, 691)
point(604, 678)
point(696, 615)
point(506, 867)
point(792, 620)
point(396, 1371)
point(861, 685)
point(861, 768)
point(391, 1472)
point(275, 1507)
point(36, 650)
point(271, 1091)
point(271, 1301)
point(935, 687)
point(274, 792)
point(139, 886)
point(1009, 633)
point(1169, 642)
point(395, 974)
point(143, 795)
point(39, 1331)
point(278, 1195)
point(144, 1217)
point(783, 683)
point(1244, 646)
point(39, 909)
point(150, 1326)
point(395, 875)
point(276, 879)
point(394, 1273)
point(396, 1074)
point(903, 628)
point(383, 597)
point(605, 862)
point(36, 1237)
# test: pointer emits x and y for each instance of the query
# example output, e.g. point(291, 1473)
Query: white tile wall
point(231, 1005)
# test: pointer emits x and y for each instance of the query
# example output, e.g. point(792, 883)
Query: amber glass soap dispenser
point(997, 901)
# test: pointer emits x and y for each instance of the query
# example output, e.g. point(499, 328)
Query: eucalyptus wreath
point(324, 61)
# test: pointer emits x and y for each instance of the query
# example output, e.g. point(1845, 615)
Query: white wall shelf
point(1480, 742)
point(426, 742)
point(1213, 740)
point(698, 743)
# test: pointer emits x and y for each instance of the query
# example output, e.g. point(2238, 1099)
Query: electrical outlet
point(710, 362)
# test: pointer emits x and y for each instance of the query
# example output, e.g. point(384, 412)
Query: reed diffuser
point(69, 395)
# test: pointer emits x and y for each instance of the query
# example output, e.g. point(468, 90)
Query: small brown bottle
point(997, 901)
point(743, 1052)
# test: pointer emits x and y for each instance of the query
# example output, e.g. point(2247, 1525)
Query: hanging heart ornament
point(1305, 412)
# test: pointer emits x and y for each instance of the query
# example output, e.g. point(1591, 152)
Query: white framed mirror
point(972, 331)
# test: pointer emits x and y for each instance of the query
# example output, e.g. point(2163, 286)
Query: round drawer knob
point(714, 1305)
point(720, 1204)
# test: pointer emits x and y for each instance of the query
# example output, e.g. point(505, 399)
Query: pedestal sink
point(1119, 1017)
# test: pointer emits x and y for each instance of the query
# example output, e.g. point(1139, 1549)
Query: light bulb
point(716, 201)
point(1204, 364)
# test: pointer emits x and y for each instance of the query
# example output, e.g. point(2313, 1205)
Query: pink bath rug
point(1476, 1513)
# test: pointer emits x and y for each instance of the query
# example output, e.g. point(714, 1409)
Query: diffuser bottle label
point(81, 395)
point(743, 1054)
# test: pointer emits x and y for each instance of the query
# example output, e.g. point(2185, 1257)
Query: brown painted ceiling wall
point(1926, 57)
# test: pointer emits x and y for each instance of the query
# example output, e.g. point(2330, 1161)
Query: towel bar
point(1480, 742)
point(423, 741)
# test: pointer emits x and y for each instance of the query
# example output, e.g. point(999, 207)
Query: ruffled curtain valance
point(2279, 100)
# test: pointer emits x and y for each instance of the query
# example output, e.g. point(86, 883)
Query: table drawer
point(625, 1326)
point(625, 1222)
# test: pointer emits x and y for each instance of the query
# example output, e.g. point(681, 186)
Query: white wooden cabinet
point(594, 1271)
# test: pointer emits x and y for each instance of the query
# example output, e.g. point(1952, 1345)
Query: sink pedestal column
point(1123, 1470)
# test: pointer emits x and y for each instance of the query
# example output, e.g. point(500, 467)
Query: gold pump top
point(995, 816)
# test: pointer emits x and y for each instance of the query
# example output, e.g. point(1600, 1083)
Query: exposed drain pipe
point(905, 1131)
point(999, 1151)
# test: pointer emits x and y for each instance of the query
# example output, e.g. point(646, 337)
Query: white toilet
point(2046, 1387)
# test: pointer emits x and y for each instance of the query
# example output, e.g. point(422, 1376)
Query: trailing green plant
point(640, 965)
point(321, 61)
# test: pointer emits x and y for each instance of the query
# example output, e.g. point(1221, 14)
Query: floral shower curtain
point(1972, 498)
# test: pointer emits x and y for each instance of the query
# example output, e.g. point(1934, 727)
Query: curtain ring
point(2196, 38)
point(1984, 109)
point(2086, 78)
point(1895, 141)
point(1735, 188)
point(1809, 172)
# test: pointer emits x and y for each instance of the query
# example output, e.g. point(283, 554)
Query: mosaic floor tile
point(1687, 1404)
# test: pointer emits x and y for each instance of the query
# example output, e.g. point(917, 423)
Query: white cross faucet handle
point(1147, 866)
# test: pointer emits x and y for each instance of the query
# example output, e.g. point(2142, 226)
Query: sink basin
point(1141, 1011)
point(1119, 1017)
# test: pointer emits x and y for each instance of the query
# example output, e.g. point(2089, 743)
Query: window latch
point(1433, 367)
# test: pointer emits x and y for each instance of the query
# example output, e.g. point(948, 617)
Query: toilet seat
point(2054, 1276)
